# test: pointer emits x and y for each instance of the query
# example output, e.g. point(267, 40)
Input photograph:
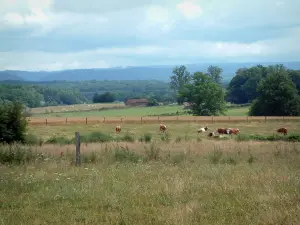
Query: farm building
point(137, 102)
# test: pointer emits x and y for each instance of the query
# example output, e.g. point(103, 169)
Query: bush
point(96, 137)
point(13, 122)
point(31, 139)
point(60, 140)
point(128, 138)
point(147, 137)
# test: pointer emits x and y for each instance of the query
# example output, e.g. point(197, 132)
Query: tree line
point(272, 90)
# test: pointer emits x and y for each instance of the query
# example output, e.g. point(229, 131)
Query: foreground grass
point(179, 183)
point(132, 111)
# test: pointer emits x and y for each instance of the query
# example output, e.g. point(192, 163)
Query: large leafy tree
point(206, 96)
point(278, 96)
point(215, 73)
point(180, 78)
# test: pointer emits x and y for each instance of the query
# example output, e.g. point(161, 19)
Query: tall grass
point(205, 182)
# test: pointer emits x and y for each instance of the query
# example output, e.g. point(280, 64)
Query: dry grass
point(75, 108)
point(185, 130)
point(157, 119)
point(192, 182)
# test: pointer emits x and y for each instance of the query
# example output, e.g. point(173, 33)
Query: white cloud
point(153, 28)
point(189, 9)
point(172, 51)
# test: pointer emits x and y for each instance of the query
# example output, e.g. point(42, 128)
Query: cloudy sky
point(65, 34)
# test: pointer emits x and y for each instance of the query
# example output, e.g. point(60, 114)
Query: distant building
point(137, 102)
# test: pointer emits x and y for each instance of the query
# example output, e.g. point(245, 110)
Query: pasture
point(120, 110)
point(179, 178)
point(191, 182)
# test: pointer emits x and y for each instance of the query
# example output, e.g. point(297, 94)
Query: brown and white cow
point(222, 130)
point(282, 130)
point(233, 131)
point(162, 127)
point(118, 129)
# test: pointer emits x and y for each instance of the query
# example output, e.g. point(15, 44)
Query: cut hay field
point(75, 108)
point(206, 182)
point(175, 130)
point(105, 110)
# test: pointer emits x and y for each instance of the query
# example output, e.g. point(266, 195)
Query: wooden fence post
point(85, 120)
point(46, 122)
point(78, 158)
point(121, 120)
point(158, 118)
point(66, 120)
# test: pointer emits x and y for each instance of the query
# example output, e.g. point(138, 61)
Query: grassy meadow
point(142, 176)
point(189, 182)
point(120, 110)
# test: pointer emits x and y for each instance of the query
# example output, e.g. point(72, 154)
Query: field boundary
point(159, 119)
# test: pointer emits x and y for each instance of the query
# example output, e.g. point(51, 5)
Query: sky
point(70, 34)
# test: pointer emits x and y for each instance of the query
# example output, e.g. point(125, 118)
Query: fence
point(159, 119)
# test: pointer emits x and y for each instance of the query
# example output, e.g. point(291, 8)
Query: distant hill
point(4, 75)
point(129, 73)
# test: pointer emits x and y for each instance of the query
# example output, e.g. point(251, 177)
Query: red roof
point(142, 100)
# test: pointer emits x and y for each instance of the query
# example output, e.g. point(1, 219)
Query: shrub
point(128, 137)
point(31, 139)
point(60, 140)
point(96, 136)
point(13, 124)
point(165, 137)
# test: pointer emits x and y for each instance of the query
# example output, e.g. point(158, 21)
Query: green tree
point(180, 78)
point(206, 96)
point(215, 73)
point(13, 123)
point(277, 96)
point(103, 98)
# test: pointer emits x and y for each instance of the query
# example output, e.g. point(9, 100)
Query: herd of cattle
point(220, 131)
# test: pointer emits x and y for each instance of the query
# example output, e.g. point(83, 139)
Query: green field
point(137, 111)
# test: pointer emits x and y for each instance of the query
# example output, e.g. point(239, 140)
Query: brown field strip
point(34, 121)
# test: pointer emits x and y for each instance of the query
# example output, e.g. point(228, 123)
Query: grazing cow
point(162, 127)
point(118, 129)
point(203, 129)
point(282, 130)
point(222, 130)
point(233, 131)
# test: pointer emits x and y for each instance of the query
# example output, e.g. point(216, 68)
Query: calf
point(118, 129)
point(203, 129)
point(162, 127)
point(282, 130)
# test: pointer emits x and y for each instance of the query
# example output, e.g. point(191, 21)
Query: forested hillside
point(35, 94)
point(241, 89)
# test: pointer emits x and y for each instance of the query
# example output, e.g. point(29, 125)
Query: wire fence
point(159, 119)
